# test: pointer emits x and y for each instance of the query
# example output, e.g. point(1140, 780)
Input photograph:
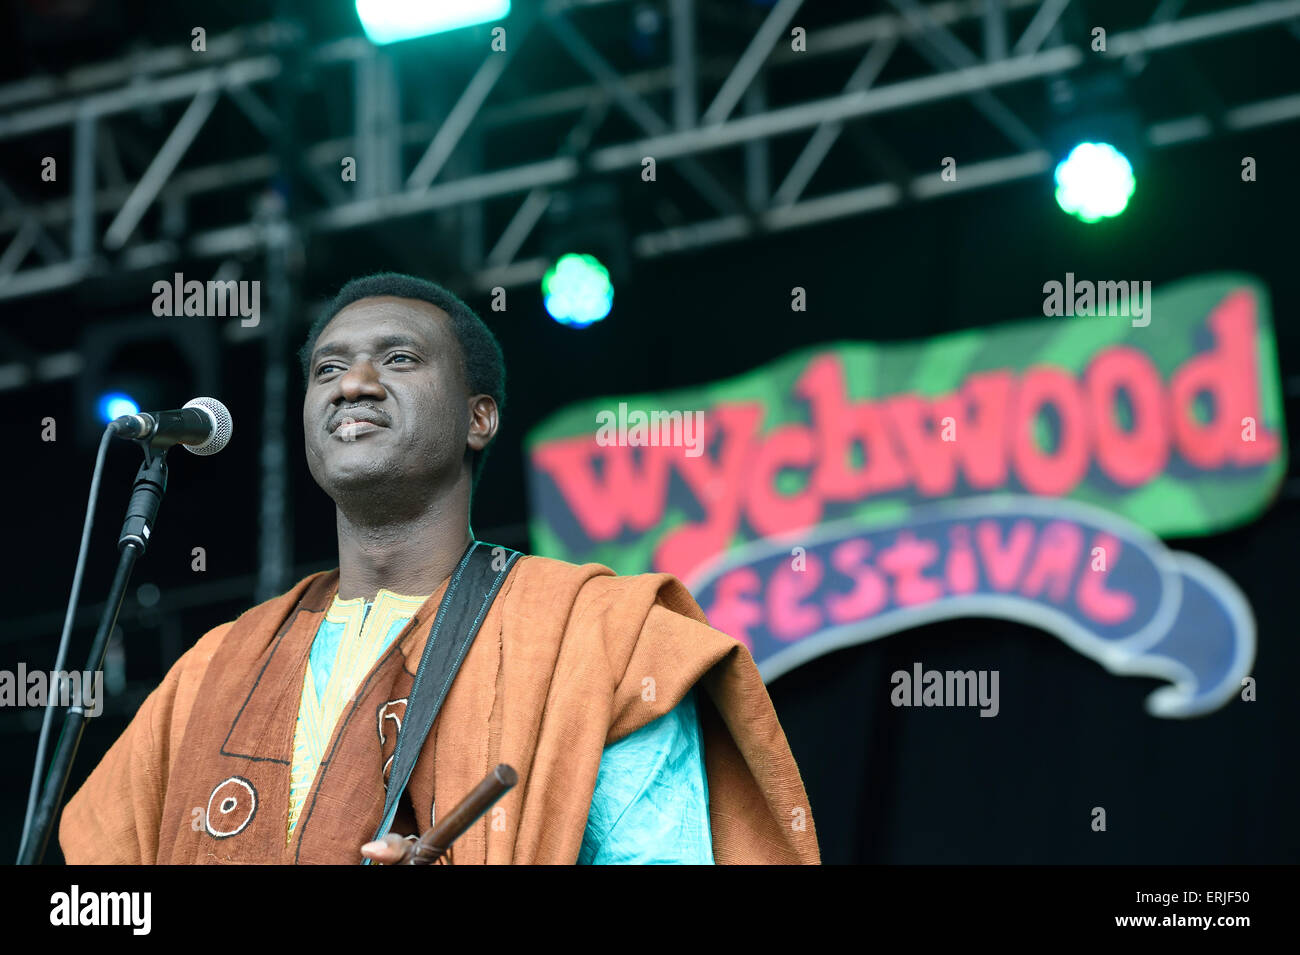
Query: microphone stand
point(146, 497)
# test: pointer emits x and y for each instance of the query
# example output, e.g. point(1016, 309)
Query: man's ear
point(483, 421)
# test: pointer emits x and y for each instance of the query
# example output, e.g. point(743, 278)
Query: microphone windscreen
point(222, 425)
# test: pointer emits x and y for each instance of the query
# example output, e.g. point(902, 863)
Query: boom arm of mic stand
point(142, 511)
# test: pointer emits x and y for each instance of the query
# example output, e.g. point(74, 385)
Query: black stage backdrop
point(886, 785)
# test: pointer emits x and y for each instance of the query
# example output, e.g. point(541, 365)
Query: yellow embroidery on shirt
point(364, 639)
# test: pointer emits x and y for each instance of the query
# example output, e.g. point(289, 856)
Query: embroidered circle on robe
point(231, 808)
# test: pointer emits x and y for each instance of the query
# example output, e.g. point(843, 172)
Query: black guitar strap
point(470, 592)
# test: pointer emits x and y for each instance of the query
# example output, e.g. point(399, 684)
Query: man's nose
point(361, 378)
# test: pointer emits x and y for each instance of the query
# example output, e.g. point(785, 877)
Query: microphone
point(203, 426)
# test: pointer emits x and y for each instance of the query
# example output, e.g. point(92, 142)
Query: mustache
point(358, 413)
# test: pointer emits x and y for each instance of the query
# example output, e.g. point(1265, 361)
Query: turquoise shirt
point(651, 804)
point(651, 801)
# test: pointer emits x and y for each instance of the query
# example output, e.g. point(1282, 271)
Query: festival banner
point(1023, 471)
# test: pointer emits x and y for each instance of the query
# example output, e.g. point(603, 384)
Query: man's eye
point(329, 364)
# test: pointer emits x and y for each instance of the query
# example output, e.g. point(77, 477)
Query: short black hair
point(482, 360)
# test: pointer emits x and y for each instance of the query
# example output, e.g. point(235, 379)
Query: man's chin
point(364, 473)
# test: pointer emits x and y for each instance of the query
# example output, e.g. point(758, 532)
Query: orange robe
point(569, 659)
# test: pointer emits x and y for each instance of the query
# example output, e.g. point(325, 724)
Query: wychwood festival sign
point(1026, 471)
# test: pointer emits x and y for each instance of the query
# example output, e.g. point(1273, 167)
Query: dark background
point(886, 785)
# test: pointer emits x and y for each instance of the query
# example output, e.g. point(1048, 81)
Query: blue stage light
point(115, 404)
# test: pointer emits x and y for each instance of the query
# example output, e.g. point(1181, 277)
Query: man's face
point(387, 407)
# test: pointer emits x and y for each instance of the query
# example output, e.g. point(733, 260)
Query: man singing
point(639, 734)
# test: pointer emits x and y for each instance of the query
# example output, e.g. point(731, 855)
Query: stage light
point(115, 404)
point(1094, 182)
point(647, 31)
point(577, 290)
point(389, 21)
point(133, 363)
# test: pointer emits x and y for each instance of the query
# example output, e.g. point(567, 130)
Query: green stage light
point(577, 290)
point(388, 21)
point(1094, 182)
